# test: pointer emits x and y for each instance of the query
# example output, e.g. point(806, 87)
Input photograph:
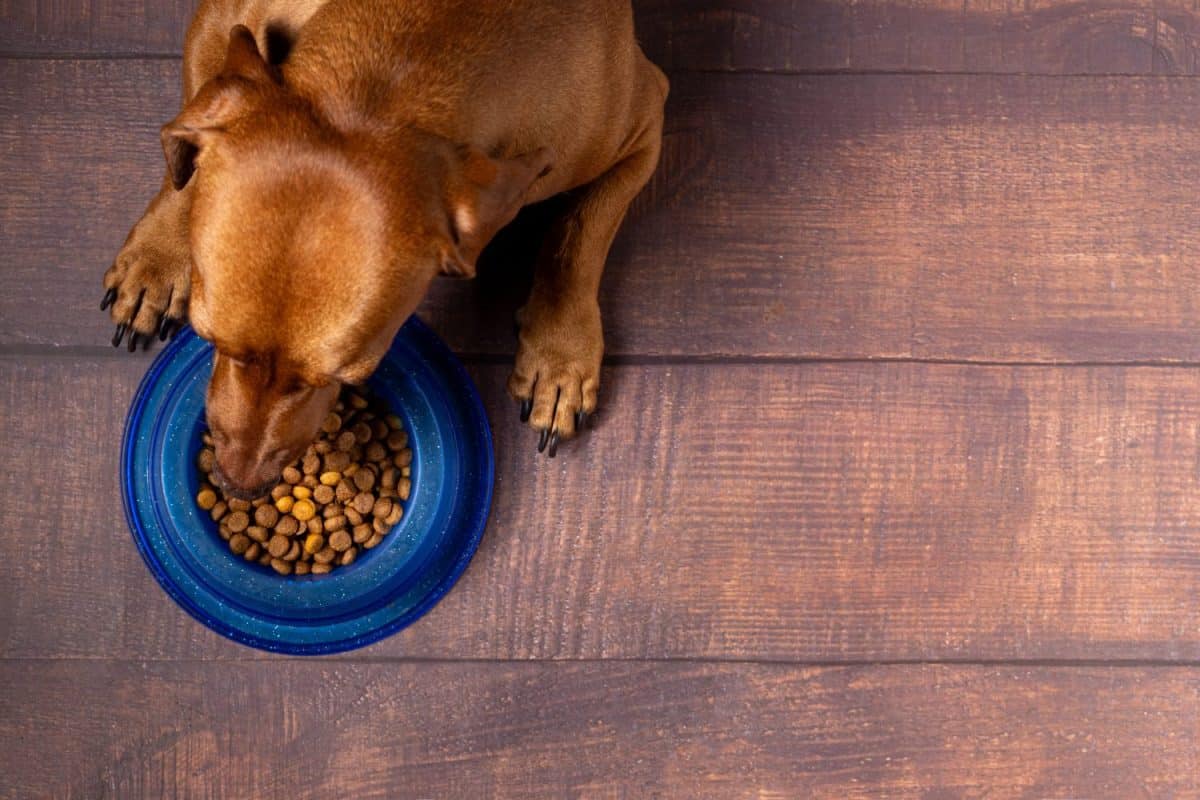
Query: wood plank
point(933, 217)
point(1055, 37)
point(838, 512)
point(380, 730)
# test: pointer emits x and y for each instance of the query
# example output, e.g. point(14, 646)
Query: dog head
point(312, 242)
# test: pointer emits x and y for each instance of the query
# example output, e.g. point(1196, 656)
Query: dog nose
point(235, 489)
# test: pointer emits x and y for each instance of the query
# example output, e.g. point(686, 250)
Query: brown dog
point(312, 195)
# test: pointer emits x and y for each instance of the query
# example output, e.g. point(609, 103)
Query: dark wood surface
point(893, 492)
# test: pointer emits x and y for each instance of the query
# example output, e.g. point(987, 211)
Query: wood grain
point(970, 218)
point(1056, 37)
point(138, 731)
point(839, 512)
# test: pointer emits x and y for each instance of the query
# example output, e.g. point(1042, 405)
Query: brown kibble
point(345, 491)
point(323, 494)
point(322, 447)
point(348, 557)
point(382, 508)
point(406, 471)
point(321, 568)
point(310, 463)
point(281, 490)
point(364, 502)
point(252, 551)
point(389, 477)
point(357, 401)
point(278, 545)
point(397, 440)
point(349, 471)
point(218, 510)
point(309, 481)
point(375, 451)
point(291, 475)
point(335, 523)
point(373, 541)
point(403, 458)
point(362, 533)
point(331, 423)
point(266, 515)
point(352, 515)
point(265, 559)
point(206, 499)
point(394, 517)
point(344, 441)
point(403, 488)
point(393, 422)
point(238, 521)
point(380, 429)
point(380, 525)
point(223, 531)
point(337, 461)
point(324, 556)
point(237, 504)
point(205, 461)
point(287, 525)
point(293, 552)
point(281, 566)
point(332, 510)
point(258, 533)
point(258, 501)
point(362, 433)
point(339, 540)
point(302, 568)
point(315, 525)
point(206, 437)
point(364, 479)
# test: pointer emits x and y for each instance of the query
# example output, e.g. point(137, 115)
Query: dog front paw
point(557, 373)
point(146, 288)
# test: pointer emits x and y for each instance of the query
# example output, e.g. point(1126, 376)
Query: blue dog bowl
point(387, 587)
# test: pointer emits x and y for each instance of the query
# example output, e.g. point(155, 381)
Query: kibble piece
point(345, 491)
point(321, 568)
point(258, 501)
point(357, 401)
point(332, 423)
point(373, 541)
point(348, 557)
point(281, 566)
point(394, 517)
point(278, 545)
point(350, 469)
point(239, 543)
point(379, 524)
point(325, 555)
point(393, 422)
point(310, 463)
point(302, 568)
point(238, 521)
point(344, 441)
point(340, 540)
point(284, 504)
point(301, 492)
point(223, 531)
point(335, 523)
point(362, 433)
point(291, 475)
point(397, 440)
point(403, 458)
point(362, 533)
point(258, 533)
point(389, 477)
point(309, 481)
point(266, 515)
point(315, 525)
point(322, 447)
point(293, 552)
point(406, 471)
point(403, 488)
point(206, 437)
point(337, 461)
point(304, 510)
point(206, 460)
point(314, 543)
point(287, 525)
point(364, 479)
point(237, 504)
point(206, 499)
point(252, 552)
point(330, 478)
point(364, 502)
point(375, 452)
point(380, 429)
point(281, 490)
point(323, 494)
point(218, 510)
point(332, 510)
point(352, 515)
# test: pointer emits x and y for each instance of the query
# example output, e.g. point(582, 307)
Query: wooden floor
point(895, 491)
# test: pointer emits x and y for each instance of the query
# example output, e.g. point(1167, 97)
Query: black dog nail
point(545, 438)
point(526, 410)
point(554, 444)
point(164, 328)
point(109, 298)
point(120, 334)
point(580, 418)
point(133, 340)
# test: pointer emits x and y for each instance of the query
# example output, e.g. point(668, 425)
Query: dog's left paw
point(557, 372)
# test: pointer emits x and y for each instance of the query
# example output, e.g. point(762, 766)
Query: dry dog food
point(340, 498)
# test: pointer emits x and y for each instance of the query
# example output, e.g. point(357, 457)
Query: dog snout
point(244, 488)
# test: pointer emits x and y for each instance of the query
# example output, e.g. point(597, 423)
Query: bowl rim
point(476, 517)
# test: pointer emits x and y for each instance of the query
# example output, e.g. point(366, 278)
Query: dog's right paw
point(146, 292)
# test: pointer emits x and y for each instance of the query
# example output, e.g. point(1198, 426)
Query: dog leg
point(147, 285)
point(557, 371)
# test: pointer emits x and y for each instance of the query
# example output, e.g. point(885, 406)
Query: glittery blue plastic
point(386, 588)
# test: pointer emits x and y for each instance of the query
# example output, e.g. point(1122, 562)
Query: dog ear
point(485, 195)
point(219, 101)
